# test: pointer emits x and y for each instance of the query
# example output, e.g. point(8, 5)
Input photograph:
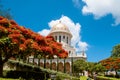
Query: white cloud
point(101, 8)
point(82, 45)
point(74, 28)
point(44, 32)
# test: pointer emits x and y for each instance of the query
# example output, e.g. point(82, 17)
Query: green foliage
point(90, 66)
point(5, 46)
point(95, 67)
point(116, 51)
point(99, 68)
point(79, 66)
point(8, 79)
point(63, 76)
point(83, 78)
point(28, 75)
point(106, 78)
point(4, 40)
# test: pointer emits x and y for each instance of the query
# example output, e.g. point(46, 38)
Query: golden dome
point(60, 27)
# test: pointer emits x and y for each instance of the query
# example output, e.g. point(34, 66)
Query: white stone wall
point(66, 46)
point(63, 31)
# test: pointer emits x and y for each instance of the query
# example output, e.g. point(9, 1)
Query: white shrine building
point(61, 34)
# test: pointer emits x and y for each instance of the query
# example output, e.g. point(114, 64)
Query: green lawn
point(108, 78)
point(8, 79)
point(83, 78)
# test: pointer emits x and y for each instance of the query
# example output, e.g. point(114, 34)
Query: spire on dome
point(59, 21)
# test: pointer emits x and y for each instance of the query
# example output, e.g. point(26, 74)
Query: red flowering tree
point(56, 47)
point(111, 63)
point(17, 40)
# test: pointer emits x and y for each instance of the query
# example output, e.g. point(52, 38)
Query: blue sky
point(98, 21)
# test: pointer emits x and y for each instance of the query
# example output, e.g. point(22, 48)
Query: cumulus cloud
point(75, 29)
point(101, 8)
point(44, 32)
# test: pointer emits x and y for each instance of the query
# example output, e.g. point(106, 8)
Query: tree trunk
point(2, 61)
point(1, 67)
point(1, 70)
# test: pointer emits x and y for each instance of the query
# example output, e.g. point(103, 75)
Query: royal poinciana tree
point(19, 41)
point(111, 63)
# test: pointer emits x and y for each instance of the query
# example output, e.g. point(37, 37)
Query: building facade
point(61, 34)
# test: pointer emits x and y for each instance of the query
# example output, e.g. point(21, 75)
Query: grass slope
point(8, 79)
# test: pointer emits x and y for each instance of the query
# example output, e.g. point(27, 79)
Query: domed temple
point(62, 34)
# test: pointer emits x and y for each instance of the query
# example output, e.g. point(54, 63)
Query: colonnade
point(63, 65)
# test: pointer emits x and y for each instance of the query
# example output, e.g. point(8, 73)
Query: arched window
point(63, 37)
point(67, 40)
point(56, 38)
point(59, 38)
point(69, 53)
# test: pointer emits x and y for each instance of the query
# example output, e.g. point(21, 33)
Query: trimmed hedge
point(32, 75)
point(28, 75)
point(63, 76)
point(106, 78)
point(8, 79)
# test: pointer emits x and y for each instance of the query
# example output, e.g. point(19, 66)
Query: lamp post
point(45, 62)
point(57, 64)
point(50, 63)
point(72, 70)
point(64, 66)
